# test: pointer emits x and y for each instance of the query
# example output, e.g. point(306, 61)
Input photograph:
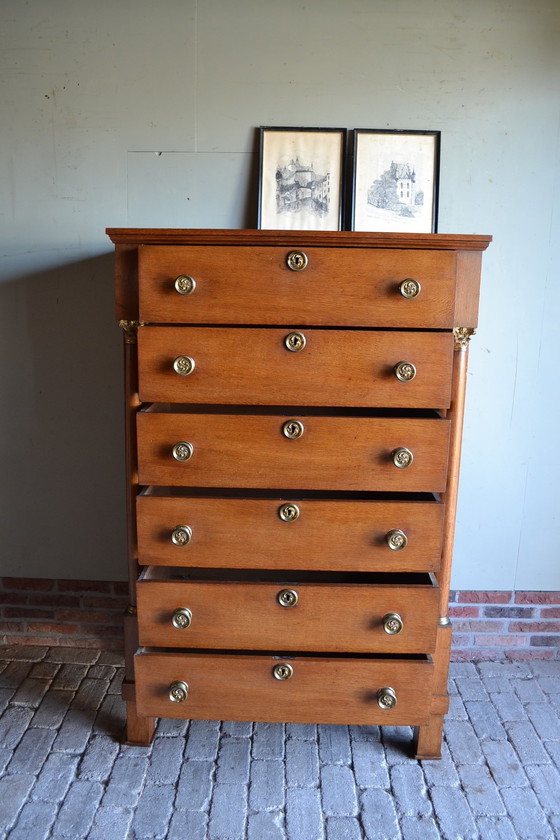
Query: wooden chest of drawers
point(294, 414)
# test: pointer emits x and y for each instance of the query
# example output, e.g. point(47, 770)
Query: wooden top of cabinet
point(453, 261)
point(325, 239)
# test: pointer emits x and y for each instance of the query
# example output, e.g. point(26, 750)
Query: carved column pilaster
point(462, 336)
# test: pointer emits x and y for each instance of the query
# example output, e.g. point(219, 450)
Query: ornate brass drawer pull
point(185, 284)
point(295, 342)
point(184, 365)
point(402, 457)
point(287, 598)
point(183, 451)
point(386, 697)
point(297, 260)
point(288, 512)
point(181, 618)
point(283, 671)
point(410, 288)
point(404, 371)
point(293, 429)
point(396, 539)
point(178, 691)
point(392, 623)
point(181, 535)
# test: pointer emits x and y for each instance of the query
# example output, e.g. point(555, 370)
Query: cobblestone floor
point(66, 776)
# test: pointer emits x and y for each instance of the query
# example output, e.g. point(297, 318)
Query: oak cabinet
point(294, 410)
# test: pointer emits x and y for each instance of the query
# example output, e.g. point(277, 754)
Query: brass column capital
point(130, 330)
point(462, 336)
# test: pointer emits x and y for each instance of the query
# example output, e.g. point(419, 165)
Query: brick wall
point(82, 613)
point(505, 625)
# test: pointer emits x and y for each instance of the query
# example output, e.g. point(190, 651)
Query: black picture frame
point(301, 178)
point(395, 180)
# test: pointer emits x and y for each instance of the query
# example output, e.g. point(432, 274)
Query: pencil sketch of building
point(299, 187)
point(396, 189)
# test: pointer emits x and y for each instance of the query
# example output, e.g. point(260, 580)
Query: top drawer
point(255, 285)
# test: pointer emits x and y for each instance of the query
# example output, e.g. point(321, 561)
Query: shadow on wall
point(61, 428)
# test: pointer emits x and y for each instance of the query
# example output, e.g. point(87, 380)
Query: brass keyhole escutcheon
point(283, 671)
point(396, 539)
point(293, 429)
point(410, 288)
point(181, 618)
point(181, 535)
point(295, 342)
point(404, 371)
point(392, 623)
point(297, 260)
point(183, 451)
point(386, 697)
point(185, 284)
point(178, 691)
point(288, 512)
point(287, 597)
point(184, 365)
point(402, 457)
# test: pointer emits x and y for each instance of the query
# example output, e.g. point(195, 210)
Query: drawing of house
point(396, 186)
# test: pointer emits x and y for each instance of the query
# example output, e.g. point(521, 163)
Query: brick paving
point(65, 775)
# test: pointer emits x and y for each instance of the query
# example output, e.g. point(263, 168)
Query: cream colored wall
point(128, 113)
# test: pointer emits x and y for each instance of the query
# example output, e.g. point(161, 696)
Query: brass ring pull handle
point(283, 671)
point(386, 697)
point(293, 429)
point(184, 365)
point(185, 284)
point(404, 371)
point(392, 623)
point(181, 618)
point(402, 457)
point(295, 342)
point(287, 598)
point(288, 512)
point(396, 539)
point(178, 691)
point(183, 451)
point(410, 288)
point(181, 535)
point(297, 260)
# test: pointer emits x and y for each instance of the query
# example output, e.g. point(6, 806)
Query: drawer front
point(323, 367)
point(289, 534)
point(350, 453)
point(253, 285)
point(250, 616)
point(320, 690)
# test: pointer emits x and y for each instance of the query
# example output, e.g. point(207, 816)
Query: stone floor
point(66, 776)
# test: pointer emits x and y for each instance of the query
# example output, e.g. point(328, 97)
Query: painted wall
point(127, 112)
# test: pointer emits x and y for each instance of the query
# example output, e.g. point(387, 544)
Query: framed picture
point(395, 180)
point(301, 178)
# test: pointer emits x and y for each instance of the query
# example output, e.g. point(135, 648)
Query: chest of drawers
point(294, 406)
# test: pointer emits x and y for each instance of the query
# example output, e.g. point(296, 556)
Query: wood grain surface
point(347, 287)
point(334, 368)
point(322, 690)
point(327, 616)
point(217, 237)
point(339, 453)
point(249, 533)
